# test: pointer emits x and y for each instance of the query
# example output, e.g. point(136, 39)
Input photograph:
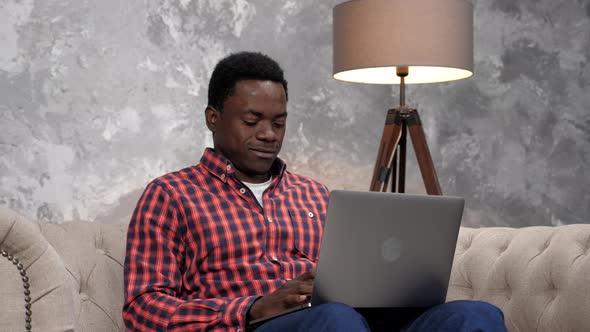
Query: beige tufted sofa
point(539, 276)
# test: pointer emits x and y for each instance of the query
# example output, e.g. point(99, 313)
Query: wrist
point(254, 310)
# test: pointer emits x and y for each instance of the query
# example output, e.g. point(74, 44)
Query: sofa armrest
point(51, 301)
point(538, 276)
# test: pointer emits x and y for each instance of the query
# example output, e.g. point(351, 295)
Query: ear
point(212, 115)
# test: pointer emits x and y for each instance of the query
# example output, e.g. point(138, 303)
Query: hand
point(291, 294)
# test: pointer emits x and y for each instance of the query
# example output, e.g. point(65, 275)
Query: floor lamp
point(403, 42)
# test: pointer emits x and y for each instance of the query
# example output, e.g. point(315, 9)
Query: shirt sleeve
point(153, 275)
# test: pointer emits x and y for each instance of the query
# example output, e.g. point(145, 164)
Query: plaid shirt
point(201, 250)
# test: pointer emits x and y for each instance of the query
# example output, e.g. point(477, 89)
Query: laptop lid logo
point(391, 249)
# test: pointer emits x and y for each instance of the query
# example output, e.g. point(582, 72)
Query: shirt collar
point(223, 168)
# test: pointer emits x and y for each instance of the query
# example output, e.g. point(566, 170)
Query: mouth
point(264, 153)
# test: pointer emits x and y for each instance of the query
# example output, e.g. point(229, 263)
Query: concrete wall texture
point(99, 97)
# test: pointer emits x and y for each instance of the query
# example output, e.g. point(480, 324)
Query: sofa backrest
point(93, 255)
point(538, 276)
point(75, 273)
point(43, 275)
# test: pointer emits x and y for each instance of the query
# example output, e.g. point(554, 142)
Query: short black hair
point(241, 66)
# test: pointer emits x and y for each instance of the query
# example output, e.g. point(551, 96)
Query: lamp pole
point(398, 122)
point(401, 72)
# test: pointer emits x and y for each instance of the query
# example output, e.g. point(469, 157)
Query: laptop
point(385, 250)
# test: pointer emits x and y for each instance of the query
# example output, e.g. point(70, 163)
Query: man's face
point(249, 130)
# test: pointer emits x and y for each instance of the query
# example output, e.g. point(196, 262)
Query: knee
point(477, 314)
point(473, 308)
point(461, 316)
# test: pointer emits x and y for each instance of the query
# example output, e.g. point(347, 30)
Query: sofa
point(72, 275)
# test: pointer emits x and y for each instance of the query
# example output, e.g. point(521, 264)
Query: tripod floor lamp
point(403, 42)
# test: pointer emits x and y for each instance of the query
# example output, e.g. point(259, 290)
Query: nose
point(266, 132)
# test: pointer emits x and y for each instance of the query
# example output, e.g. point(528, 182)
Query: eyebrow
point(259, 114)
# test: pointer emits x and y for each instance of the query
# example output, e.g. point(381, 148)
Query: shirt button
point(223, 176)
point(269, 219)
point(310, 214)
point(242, 190)
point(274, 258)
point(228, 167)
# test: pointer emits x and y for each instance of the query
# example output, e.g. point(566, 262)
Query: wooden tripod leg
point(423, 155)
point(389, 140)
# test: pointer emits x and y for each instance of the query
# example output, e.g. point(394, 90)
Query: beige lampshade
point(434, 38)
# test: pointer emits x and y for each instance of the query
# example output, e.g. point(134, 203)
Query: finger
point(295, 299)
point(305, 288)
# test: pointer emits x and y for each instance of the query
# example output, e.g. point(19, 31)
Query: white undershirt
point(258, 189)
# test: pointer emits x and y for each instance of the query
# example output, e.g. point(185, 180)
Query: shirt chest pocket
point(307, 231)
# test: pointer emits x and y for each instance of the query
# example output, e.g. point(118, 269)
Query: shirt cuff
point(236, 311)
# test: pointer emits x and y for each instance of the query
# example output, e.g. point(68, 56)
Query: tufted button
point(467, 243)
point(502, 248)
point(100, 251)
point(84, 297)
point(546, 245)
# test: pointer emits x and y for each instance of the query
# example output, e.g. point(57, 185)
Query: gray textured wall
point(99, 97)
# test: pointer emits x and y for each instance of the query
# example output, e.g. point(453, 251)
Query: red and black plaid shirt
point(201, 250)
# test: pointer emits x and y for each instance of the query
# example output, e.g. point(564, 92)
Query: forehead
point(256, 92)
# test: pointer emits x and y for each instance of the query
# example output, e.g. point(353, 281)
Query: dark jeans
point(453, 316)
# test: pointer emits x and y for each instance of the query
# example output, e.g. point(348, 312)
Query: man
point(235, 238)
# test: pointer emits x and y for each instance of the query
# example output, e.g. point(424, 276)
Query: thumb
point(309, 275)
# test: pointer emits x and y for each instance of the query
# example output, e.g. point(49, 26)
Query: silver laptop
point(385, 250)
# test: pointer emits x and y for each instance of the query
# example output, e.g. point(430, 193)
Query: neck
point(257, 178)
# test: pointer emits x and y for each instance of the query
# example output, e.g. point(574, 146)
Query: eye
point(250, 123)
point(279, 124)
